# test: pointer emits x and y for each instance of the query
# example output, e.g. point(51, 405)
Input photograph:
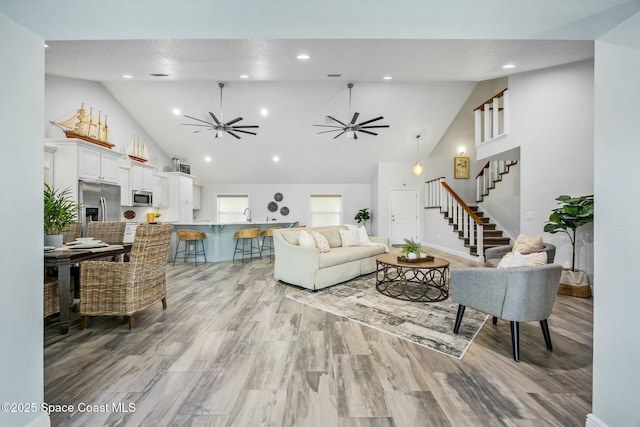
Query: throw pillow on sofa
point(526, 244)
point(349, 235)
point(306, 240)
point(516, 259)
point(321, 241)
point(363, 237)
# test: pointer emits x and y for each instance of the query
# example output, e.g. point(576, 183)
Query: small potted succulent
point(59, 211)
point(411, 249)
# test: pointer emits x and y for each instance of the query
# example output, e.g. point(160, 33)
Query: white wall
point(295, 197)
point(616, 340)
point(502, 204)
point(21, 82)
point(64, 95)
point(552, 122)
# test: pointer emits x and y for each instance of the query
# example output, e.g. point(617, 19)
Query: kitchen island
point(220, 243)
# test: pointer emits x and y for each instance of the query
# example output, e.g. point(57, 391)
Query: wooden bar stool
point(267, 240)
point(244, 235)
point(190, 239)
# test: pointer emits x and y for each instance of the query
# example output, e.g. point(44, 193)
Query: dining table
point(64, 257)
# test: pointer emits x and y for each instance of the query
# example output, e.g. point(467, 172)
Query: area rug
point(427, 324)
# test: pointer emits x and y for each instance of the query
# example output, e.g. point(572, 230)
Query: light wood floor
point(232, 350)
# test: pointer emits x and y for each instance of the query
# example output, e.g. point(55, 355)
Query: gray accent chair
point(492, 256)
point(518, 294)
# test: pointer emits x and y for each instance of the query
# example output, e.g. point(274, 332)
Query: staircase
point(472, 226)
point(490, 235)
point(491, 173)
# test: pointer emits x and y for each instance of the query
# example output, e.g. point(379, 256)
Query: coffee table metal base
point(420, 282)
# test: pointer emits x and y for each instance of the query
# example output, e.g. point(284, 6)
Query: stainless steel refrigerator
point(100, 202)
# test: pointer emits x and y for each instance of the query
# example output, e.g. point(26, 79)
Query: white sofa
point(309, 268)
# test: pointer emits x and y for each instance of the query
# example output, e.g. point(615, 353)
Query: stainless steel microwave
point(142, 198)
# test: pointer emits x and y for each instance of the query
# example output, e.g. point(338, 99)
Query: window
point(231, 207)
point(326, 209)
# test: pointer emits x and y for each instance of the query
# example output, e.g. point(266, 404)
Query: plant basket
point(574, 283)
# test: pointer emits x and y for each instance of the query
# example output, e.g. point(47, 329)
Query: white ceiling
point(431, 80)
point(434, 50)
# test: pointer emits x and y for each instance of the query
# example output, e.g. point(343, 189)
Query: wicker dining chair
point(125, 288)
point(73, 231)
point(111, 232)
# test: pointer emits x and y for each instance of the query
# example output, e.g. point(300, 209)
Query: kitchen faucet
point(248, 217)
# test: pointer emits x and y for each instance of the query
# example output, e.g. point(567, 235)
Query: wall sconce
point(417, 168)
point(461, 150)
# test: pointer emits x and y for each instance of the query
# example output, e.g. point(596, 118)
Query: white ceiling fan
point(219, 126)
point(352, 128)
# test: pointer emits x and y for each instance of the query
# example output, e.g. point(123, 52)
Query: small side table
point(423, 281)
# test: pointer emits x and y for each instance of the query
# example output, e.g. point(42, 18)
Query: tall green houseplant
point(573, 213)
point(59, 210)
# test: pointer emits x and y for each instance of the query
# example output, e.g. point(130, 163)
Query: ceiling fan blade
point(208, 125)
point(245, 127)
point(215, 119)
point(355, 117)
point(332, 130)
point(195, 118)
point(370, 121)
point(330, 126)
point(237, 119)
point(244, 131)
point(336, 120)
point(233, 134)
point(339, 134)
point(374, 126)
point(366, 131)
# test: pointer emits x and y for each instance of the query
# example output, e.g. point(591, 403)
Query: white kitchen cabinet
point(77, 159)
point(197, 197)
point(125, 186)
point(141, 177)
point(160, 191)
point(98, 165)
point(180, 204)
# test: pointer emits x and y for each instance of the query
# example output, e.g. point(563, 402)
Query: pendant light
point(417, 168)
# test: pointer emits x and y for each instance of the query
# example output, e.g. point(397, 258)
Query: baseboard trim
point(593, 421)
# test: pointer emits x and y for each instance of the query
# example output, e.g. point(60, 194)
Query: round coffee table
point(425, 281)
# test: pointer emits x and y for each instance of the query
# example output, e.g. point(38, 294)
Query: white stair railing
point(438, 194)
point(492, 118)
point(490, 174)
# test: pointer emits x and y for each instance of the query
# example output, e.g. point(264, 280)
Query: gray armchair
point(520, 294)
point(492, 256)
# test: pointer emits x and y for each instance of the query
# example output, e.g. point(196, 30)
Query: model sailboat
point(87, 127)
point(138, 151)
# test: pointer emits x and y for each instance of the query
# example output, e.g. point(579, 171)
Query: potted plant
point(363, 215)
point(573, 213)
point(411, 249)
point(59, 211)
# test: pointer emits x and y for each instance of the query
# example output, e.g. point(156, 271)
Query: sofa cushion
point(516, 259)
point(526, 244)
point(349, 236)
point(331, 233)
point(321, 241)
point(306, 240)
point(353, 253)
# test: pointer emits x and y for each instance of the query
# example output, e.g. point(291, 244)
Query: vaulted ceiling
point(435, 53)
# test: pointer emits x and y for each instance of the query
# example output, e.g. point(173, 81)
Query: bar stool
point(244, 235)
point(267, 234)
point(190, 239)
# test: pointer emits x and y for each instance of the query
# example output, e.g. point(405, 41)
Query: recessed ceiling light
point(387, 77)
point(276, 158)
point(176, 111)
point(207, 159)
point(244, 76)
point(264, 112)
point(508, 66)
point(303, 56)
point(127, 76)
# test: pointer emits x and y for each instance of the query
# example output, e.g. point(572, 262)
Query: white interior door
point(404, 216)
